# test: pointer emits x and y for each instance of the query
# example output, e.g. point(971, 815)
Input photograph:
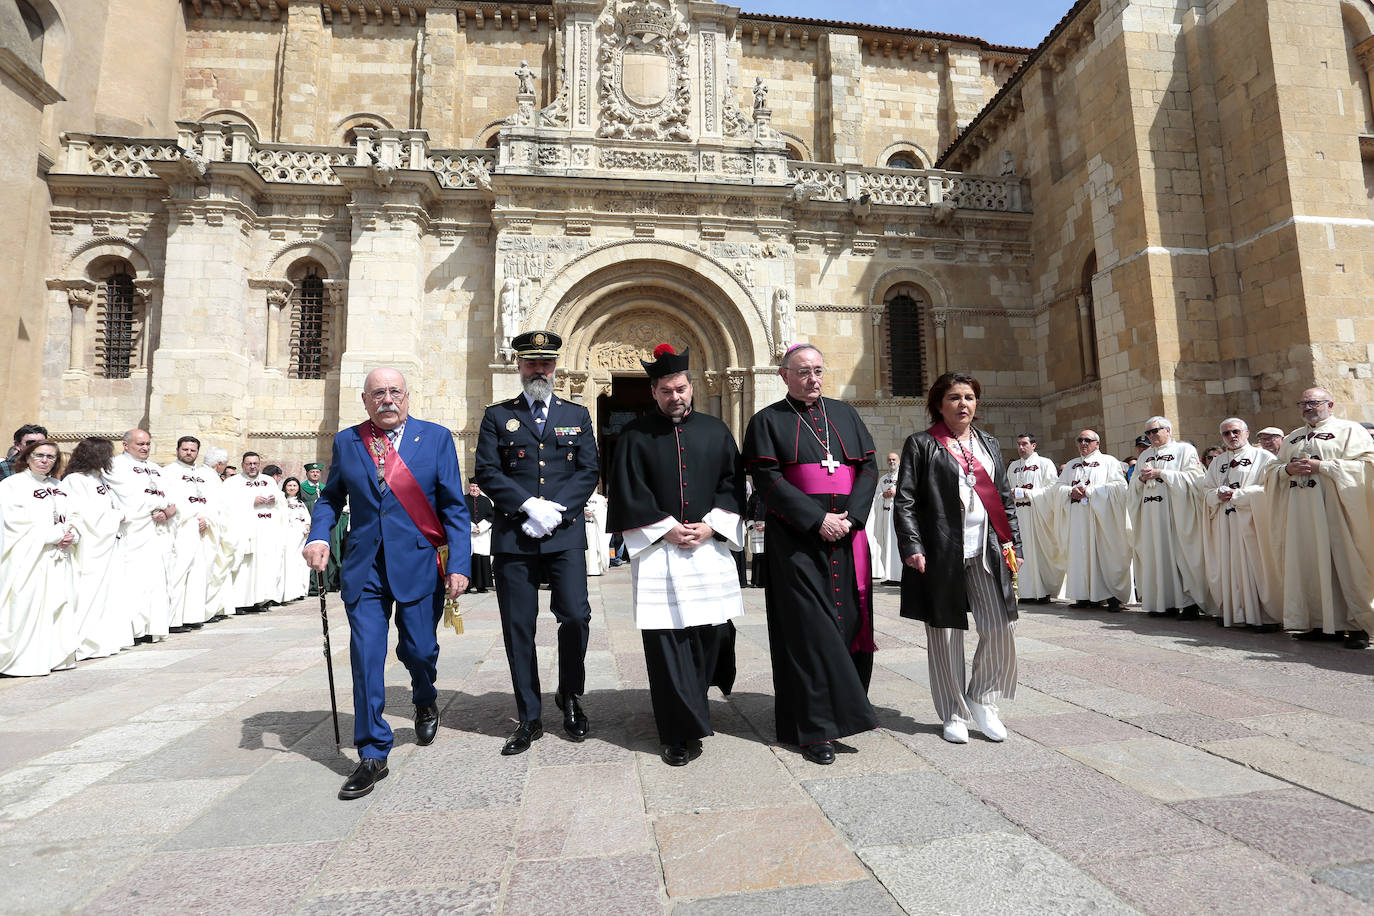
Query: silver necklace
point(969, 477)
point(829, 462)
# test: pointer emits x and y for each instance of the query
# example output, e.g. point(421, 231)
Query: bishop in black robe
point(820, 628)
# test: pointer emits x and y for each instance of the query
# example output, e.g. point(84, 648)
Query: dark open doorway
point(628, 399)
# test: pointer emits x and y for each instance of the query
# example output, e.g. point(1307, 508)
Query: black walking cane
point(328, 658)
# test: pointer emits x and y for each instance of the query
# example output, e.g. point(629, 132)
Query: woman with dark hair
point(102, 627)
point(37, 577)
point(957, 534)
point(295, 580)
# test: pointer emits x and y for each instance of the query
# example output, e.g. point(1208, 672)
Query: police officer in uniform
point(537, 461)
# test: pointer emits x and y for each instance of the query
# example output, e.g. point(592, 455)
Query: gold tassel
point(453, 615)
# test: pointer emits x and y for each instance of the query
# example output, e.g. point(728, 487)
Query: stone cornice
point(40, 92)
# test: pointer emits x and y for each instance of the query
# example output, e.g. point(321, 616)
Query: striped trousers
point(994, 661)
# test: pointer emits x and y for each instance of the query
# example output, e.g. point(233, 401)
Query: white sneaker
point(956, 732)
point(987, 721)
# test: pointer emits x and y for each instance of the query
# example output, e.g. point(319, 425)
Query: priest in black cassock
point(811, 459)
point(482, 513)
point(676, 496)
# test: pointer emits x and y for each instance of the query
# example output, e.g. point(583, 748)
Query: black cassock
point(819, 636)
point(481, 509)
point(681, 470)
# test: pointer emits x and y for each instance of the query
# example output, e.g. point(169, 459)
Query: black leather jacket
point(929, 517)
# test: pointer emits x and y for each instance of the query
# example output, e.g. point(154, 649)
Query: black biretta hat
point(666, 362)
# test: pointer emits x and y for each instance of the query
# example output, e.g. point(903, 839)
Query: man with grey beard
point(537, 462)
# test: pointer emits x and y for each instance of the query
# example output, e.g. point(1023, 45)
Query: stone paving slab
point(900, 808)
point(867, 897)
point(618, 886)
point(988, 873)
point(1322, 772)
point(1231, 879)
point(1292, 825)
point(1069, 729)
point(1355, 880)
point(462, 900)
point(1169, 771)
point(399, 851)
point(604, 817)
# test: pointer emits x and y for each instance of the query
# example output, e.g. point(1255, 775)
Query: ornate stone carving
point(512, 312)
point(784, 322)
point(760, 94)
point(584, 43)
point(708, 80)
point(526, 77)
point(632, 337)
point(555, 114)
point(81, 298)
point(733, 121)
point(644, 86)
point(645, 160)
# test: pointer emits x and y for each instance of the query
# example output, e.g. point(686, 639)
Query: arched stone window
point(903, 161)
point(794, 153)
point(310, 356)
point(904, 341)
point(119, 324)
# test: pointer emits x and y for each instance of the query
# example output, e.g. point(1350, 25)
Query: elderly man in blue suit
point(537, 461)
point(407, 547)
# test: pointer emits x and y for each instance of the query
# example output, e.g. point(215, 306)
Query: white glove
point(1019, 492)
point(549, 515)
point(533, 528)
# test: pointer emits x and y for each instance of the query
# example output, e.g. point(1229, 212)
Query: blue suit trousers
point(417, 647)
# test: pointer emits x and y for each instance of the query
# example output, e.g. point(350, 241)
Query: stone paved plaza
point(1152, 766)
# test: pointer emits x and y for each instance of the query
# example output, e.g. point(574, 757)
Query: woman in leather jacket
point(957, 534)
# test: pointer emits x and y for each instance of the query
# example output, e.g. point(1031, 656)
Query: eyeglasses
point(1157, 429)
point(818, 372)
point(42, 457)
point(1232, 432)
point(381, 393)
point(1306, 404)
point(1085, 439)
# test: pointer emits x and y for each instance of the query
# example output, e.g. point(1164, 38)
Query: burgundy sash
point(813, 480)
point(407, 490)
point(984, 486)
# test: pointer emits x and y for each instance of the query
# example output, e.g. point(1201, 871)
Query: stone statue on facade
point(760, 94)
point(526, 77)
point(784, 322)
point(512, 315)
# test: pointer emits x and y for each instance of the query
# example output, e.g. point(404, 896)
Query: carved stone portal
point(645, 88)
point(627, 339)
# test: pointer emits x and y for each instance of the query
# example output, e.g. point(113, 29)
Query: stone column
point(278, 314)
point(303, 77)
point(940, 317)
point(841, 59)
point(80, 298)
point(876, 348)
point(1087, 336)
point(733, 403)
point(440, 87)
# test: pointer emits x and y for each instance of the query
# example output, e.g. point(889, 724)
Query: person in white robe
point(1089, 502)
point(196, 536)
point(598, 543)
point(147, 536)
point(37, 575)
point(1271, 440)
point(1322, 491)
point(257, 507)
point(219, 585)
point(680, 530)
point(881, 532)
point(296, 519)
point(103, 624)
point(1031, 478)
point(1167, 518)
point(1241, 569)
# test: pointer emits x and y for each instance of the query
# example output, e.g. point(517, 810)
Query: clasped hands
point(834, 527)
point(1303, 467)
point(689, 535)
point(1150, 473)
point(542, 516)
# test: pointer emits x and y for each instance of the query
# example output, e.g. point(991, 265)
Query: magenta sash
point(813, 480)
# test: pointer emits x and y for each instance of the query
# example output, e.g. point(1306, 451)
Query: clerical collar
point(800, 403)
point(676, 421)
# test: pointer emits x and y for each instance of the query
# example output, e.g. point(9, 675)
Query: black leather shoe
point(1267, 628)
point(1313, 635)
point(1356, 639)
point(1114, 605)
point(1083, 605)
point(574, 719)
point(519, 742)
point(426, 724)
point(822, 752)
point(679, 755)
point(370, 771)
point(1191, 612)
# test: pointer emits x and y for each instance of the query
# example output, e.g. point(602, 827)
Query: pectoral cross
point(830, 464)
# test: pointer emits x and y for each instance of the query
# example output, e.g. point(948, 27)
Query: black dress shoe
point(1191, 612)
point(574, 719)
point(822, 752)
point(179, 628)
point(1083, 605)
point(370, 771)
point(519, 742)
point(426, 724)
point(1356, 639)
point(1313, 635)
point(679, 755)
point(1267, 628)
point(1114, 605)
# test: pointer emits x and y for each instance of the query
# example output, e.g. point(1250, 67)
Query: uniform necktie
point(539, 415)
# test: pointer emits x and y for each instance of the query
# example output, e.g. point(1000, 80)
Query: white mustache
point(388, 408)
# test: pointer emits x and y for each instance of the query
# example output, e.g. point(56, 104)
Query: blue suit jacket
point(514, 463)
point(378, 519)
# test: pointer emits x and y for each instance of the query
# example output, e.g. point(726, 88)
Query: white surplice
point(37, 578)
point(676, 588)
point(257, 579)
point(1042, 540)
point(882, 533)
point(1167, 517)
point(1241, 570)
point(103, 624)
point(598, 549)
point(1324, 527)
point(296, 573)
point(1098, 545)
point(147, 544)
point(193, 557)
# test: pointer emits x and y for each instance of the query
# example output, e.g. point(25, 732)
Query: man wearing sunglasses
point(1325, 498)
point(1092, 489)
point(1166, 515)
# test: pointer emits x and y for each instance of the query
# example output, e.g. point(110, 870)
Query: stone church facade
point(240, 207)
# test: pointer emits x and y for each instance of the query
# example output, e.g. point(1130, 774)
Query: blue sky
point(1005, 22)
